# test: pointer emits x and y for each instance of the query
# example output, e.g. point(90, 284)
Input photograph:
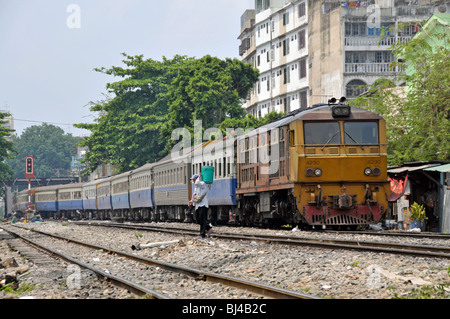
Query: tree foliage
point(417, 115)
point(127, 131)
point(6, 149)
point(51, 148)
point(156, 97)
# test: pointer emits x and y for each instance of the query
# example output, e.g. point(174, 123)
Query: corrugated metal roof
point(410, 168)
point(443, 168)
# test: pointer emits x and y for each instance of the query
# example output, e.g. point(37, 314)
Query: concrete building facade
point(9, 122)
point(276, 33)
point(310, 50)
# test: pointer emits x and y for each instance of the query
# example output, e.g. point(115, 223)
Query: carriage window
point(322, 133)
point(361, 133)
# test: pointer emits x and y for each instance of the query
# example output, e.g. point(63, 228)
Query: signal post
point(29, 173)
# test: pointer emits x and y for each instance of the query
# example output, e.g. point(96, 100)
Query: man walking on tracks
point(200, 201)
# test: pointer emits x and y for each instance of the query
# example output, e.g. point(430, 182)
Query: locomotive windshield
point(365, 133)
point(323, 133)
point(328, 133)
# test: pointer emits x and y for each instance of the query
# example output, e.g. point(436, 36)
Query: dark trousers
point(203, 220)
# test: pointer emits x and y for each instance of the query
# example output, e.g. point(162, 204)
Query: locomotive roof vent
point(341, 109)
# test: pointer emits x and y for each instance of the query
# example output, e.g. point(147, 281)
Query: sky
point(49, 48)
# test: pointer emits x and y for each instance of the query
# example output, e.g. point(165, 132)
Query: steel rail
point(255, 287)
point(392, 233)
point(415, 250)
point(115, 280)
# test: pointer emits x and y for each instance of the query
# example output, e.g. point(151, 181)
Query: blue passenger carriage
point(21, 201)
point(90, 199)
point(171, 188)
point(120, 196)
point(70, 200)
point(46, 200)
point(222, 192)
point(141, 192)
point(104, 198)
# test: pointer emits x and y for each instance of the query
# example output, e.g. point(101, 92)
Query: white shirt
point(200, 188)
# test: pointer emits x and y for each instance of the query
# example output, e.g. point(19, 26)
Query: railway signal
point(29, 173)
point(29, 167)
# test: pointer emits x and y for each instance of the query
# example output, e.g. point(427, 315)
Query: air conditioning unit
point(442, 8)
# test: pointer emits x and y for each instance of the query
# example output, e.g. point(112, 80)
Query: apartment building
point(351, 42)
point(9, 121)
point(274, 40)
point(310, 50)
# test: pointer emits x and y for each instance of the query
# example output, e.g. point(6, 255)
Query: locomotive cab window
point(322, 133)
point(361, 133)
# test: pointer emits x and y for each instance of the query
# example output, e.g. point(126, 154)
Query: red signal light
point(29, 167)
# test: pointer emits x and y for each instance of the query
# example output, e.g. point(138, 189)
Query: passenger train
point(324, 165)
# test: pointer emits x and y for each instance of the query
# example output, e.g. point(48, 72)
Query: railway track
point(139, 289)
point(37, 250)
point(363, 245)
point(393, 233)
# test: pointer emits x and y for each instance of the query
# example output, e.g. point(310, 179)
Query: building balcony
point(375, 42)
point(364, 68)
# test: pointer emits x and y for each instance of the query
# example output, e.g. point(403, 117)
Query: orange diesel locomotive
point(325, 165)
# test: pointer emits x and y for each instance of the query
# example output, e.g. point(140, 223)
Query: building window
point(368, 57)
point(262, 5)
point(301, 39)
point(355, 88)
point(286, 47)
point(355, 29)
point(287, 76)
point(286, 18)
point(303, 100)
point(302, 71)
point(301, 9)
point(287, 105)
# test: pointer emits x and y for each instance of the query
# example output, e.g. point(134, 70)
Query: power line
point(47, 122)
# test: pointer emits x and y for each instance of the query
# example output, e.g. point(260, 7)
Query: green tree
point(208, 89)
point(51, 148)
point(6, 150)
point(417, 115)
point(127, 131)
point(134, 126)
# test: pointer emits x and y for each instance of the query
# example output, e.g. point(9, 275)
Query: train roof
point(172, 158)
point(46, 188)
point(91, 183)
point(121, 175)
point(71, 185)
point(321, 112)
point(142, 168)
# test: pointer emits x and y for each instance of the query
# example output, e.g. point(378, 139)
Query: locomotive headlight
point(341, 111)
point(309, 172)
point(317, 172)
point(367, 171)
point(376, 171)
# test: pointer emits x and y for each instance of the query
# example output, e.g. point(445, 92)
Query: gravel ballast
point(326, 273)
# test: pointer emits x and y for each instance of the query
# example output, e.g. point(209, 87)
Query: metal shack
point(426, 183)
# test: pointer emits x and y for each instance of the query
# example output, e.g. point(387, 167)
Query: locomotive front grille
point(347, 220)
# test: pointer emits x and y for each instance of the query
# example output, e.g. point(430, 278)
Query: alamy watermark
point(73, 280)
point(266, 151)
point(374, 279)
point(73, 21)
